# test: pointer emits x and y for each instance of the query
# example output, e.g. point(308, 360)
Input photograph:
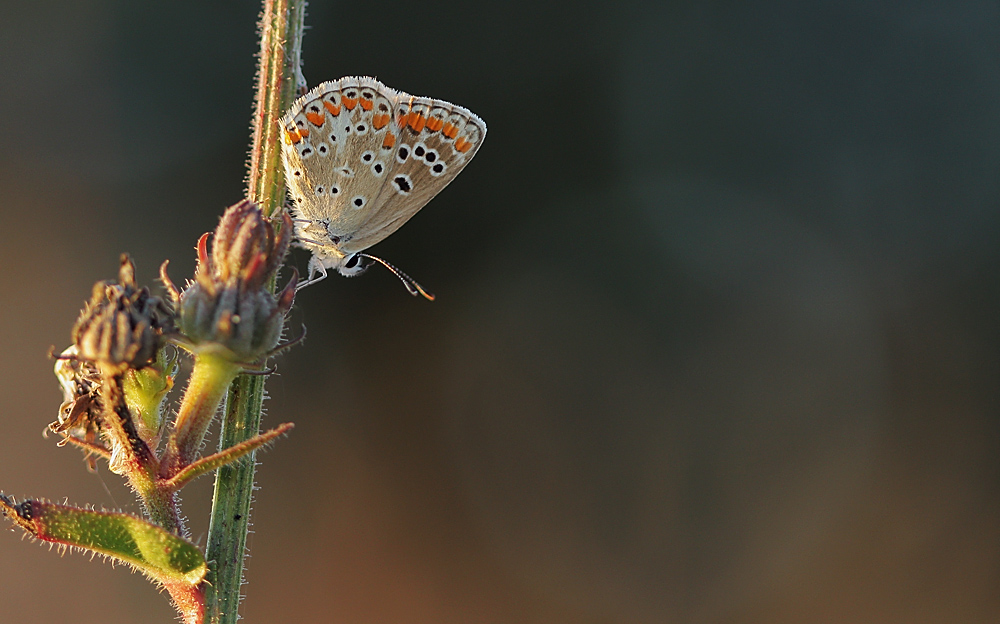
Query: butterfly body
point(361, 158)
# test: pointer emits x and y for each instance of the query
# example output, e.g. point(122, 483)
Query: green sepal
point(146, 388)
point(162, 556)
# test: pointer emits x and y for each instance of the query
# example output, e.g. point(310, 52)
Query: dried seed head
point(122, 325)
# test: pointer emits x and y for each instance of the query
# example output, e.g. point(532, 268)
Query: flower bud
point(229, 304)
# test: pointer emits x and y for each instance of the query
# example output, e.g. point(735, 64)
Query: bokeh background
point(716, 337)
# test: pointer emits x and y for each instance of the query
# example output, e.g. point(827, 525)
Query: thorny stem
point(278, 68)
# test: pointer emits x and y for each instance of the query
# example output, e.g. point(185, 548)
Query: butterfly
point(360, 159)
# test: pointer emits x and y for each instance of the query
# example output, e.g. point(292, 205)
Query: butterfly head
point(353, 264)
point(347, 265)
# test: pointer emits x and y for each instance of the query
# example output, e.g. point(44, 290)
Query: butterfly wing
point(335, 162)
point(361, 159)
point(432, 141)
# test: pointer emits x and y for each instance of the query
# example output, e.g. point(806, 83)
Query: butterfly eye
point(353, 264)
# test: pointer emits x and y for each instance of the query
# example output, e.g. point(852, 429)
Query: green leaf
point(162, 556)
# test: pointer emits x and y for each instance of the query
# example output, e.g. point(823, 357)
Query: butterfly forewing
point(336, 171)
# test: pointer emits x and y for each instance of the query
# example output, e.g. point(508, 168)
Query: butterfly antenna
point(411, 285)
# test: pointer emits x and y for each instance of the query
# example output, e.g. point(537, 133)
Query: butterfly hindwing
point(435, 140)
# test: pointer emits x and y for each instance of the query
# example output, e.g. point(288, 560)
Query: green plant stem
point(278, 70)
point(137, 462)
point(281, 29)
point(161, 506)
point(210, 379)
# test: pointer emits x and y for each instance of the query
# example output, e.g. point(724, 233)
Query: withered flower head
point(229, 303)
point(122, 325)
point(82, 411)
point(81, 386)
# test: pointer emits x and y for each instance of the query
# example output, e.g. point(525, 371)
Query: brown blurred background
point(716, 336)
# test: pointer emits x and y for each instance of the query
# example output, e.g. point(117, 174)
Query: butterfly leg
point(314, 268)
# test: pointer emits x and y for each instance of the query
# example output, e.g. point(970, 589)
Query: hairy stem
point(281, 29)
point(209, 381)
point(278, 72)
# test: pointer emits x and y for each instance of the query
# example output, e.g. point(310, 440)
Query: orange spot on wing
point(434, 124)
point(333, 108)
point(380, 121)
point(417, 121)
point(350, 103)
point(462, 145)
point(292, 137)
point(367, 104)
point(315, 119)
point(304, 132)
point(450, 130)
point(402, 120)
point(389, 140)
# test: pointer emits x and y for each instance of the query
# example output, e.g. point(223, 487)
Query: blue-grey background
point(716, 338)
